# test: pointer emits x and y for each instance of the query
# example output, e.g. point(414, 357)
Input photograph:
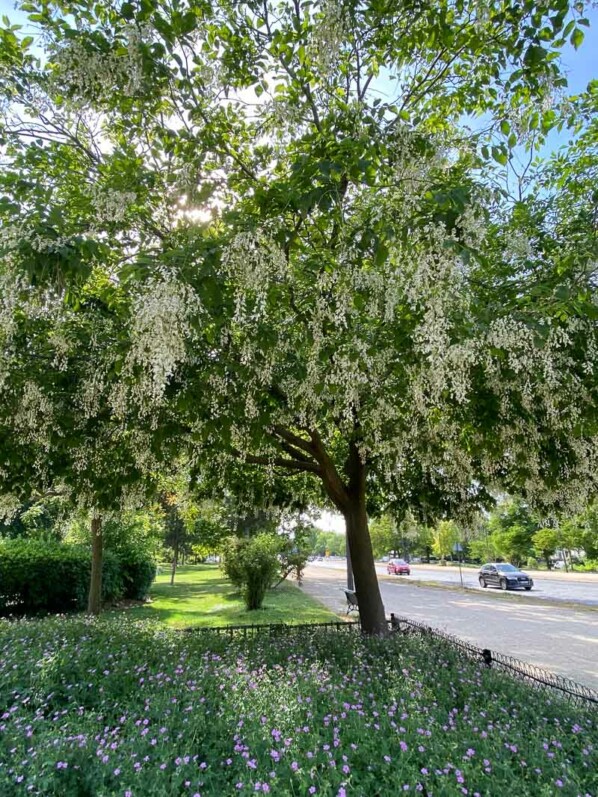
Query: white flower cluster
point(161, 331)
point(9, 506)
point(35, 416)
point(88, 72)
point(109, 205)
point(330, 28)
point(253, 262)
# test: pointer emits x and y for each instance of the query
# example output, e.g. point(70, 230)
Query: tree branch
point(280, 462)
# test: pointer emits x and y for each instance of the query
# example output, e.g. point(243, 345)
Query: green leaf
point(500, 156)
point(577, 38)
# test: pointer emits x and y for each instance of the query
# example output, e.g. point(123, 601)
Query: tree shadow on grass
point(215, 602)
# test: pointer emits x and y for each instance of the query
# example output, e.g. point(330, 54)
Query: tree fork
point(350, 500)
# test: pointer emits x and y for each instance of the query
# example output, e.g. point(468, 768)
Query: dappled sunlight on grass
point(202, 596)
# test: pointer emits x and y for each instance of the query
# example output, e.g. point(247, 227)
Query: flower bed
point(111, 707)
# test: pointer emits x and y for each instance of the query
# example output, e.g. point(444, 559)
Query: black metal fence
point(523, 671)
point(529, 673)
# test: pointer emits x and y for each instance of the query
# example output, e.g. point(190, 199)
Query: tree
point(384, 536)
point(546, 542)
point(511, 527)
point(322, 284)
point(446, 535)
point(58, 431)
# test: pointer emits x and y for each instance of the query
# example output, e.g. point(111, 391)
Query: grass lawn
point(117, 708)
point(202, 596)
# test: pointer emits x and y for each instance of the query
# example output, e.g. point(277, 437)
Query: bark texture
point(94, 604)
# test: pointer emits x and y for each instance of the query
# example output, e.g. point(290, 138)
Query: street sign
point(457, 548)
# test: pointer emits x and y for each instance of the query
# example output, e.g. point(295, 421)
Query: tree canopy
point(316, 266)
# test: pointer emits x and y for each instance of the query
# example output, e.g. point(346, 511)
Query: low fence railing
point(523, 671)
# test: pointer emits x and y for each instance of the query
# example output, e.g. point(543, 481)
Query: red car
point(398, 567)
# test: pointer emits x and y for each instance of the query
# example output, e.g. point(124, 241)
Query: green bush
point(53, 577)
point(532, 562)
point(138, 572)
point(252, 565)
point(589, 566)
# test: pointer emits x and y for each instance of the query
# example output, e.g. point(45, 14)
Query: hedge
point(53, 577)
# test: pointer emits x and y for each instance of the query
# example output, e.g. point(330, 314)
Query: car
point(398, 567)
point(505, 576)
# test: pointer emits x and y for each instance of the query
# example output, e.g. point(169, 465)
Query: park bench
point(352, 604)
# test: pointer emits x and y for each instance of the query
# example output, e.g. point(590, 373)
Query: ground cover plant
point(109, 707)
point(203, 596)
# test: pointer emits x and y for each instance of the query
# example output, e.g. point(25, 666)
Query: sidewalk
point(563, 640)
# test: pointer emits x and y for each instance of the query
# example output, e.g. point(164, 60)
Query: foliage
point(138, 573)
point(44, 518)
point(384, 535)
point(134, 538)
point(589, 566)
point(328, 541)
point(484, 549)
point(125, 533)
point(195, 713)
point(51, 577)
point(445, 535)
point(512, 527)
point(532, 563)
point(252, 565)
point(545, 542)
point(219, 234)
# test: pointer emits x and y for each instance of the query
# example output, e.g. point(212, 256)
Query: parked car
point(505, 576)
point(398, 567)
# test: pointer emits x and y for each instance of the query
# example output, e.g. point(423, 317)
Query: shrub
point(138, 572)
point(589, 566)
point(252, 565)
point(52, 577)
point(532, 562)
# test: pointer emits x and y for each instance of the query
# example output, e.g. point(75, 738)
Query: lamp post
point(458, 549)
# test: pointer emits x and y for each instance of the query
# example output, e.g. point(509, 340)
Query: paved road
point(562, 640)
point(573, 587)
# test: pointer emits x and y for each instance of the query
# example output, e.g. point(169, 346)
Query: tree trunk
point(94, 604)
point(175, 559)
point(371, 608)
point(350, 579)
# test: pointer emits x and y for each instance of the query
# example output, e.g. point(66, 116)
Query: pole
point(460, 573)
point(350, 579)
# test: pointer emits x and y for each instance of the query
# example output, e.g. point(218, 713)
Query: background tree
point(320, 282)
point(384, 535)
point(445, 535)
point(512, 526)
point(545, 542)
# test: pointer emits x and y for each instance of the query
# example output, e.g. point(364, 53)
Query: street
point(563, 640)
point(558, 586)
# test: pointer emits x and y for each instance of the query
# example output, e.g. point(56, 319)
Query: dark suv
point(505, 576)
